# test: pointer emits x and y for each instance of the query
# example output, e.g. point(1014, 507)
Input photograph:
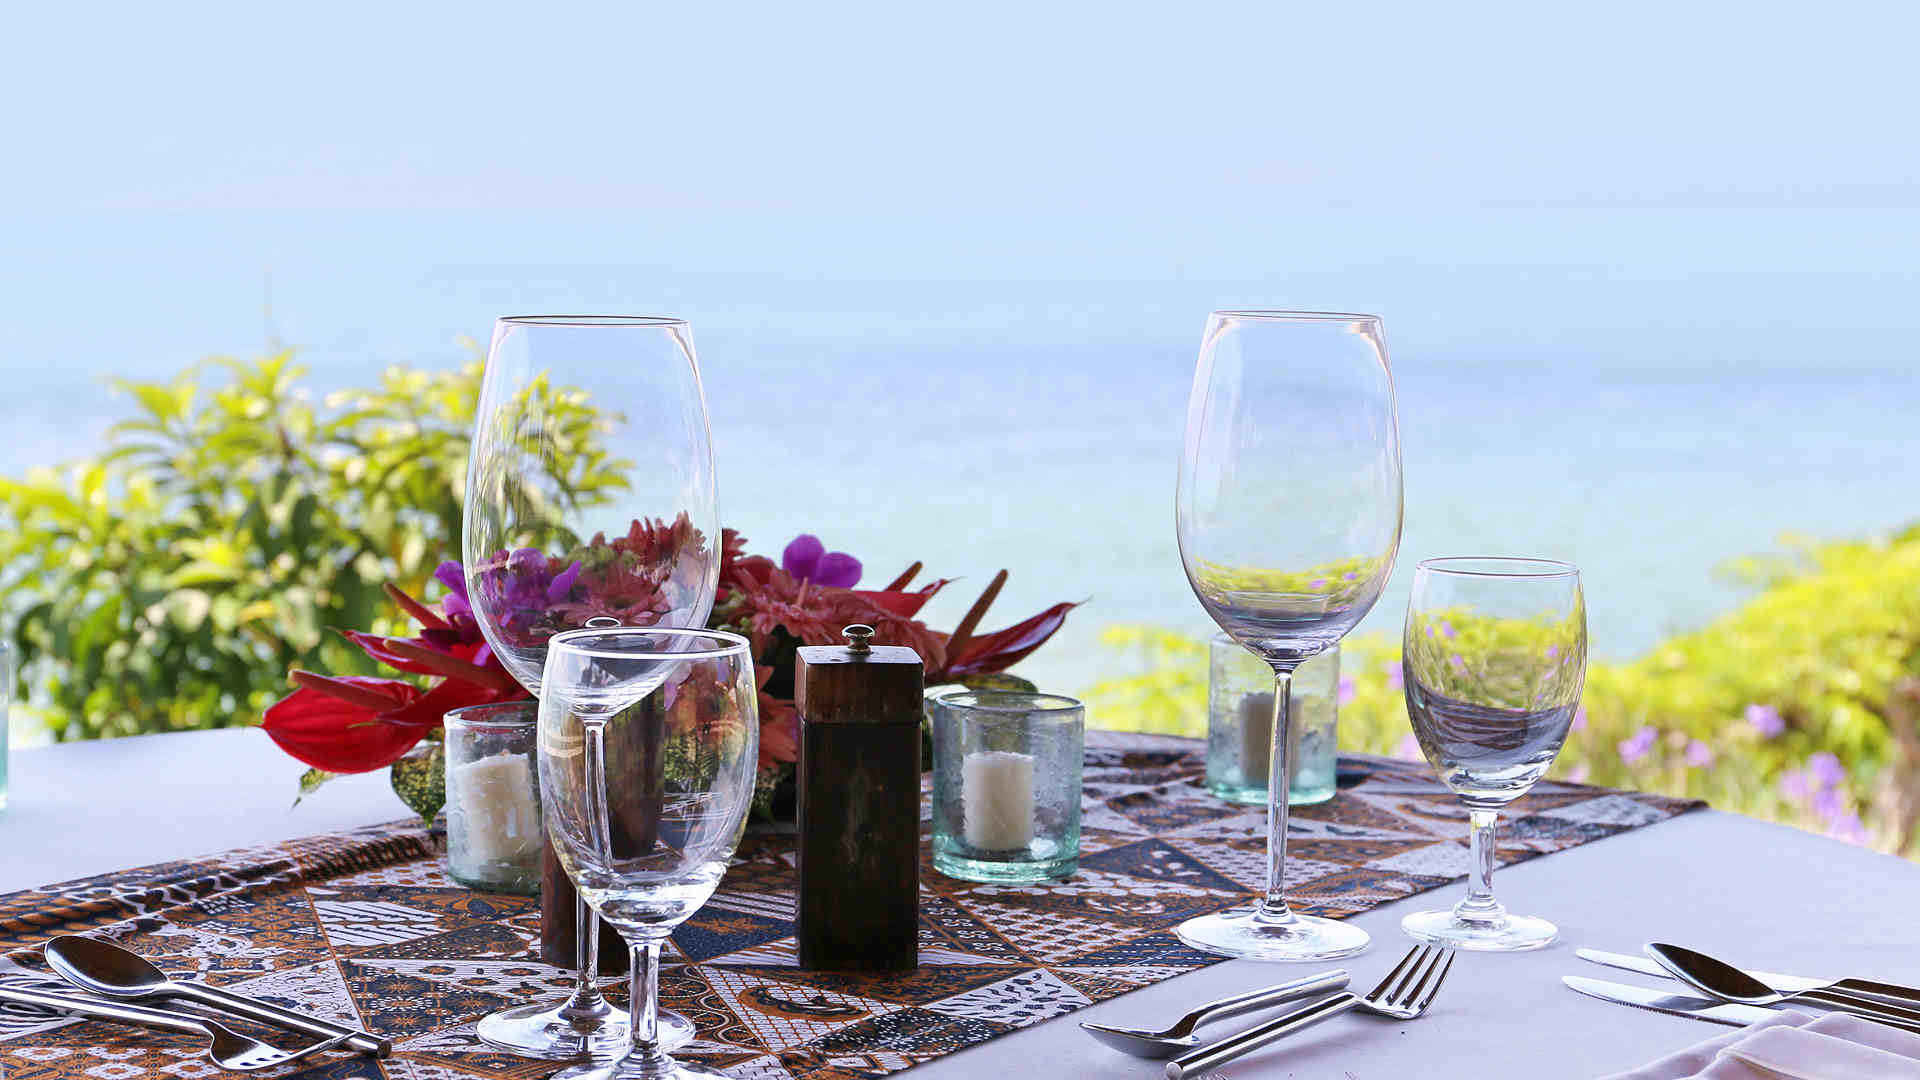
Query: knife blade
point(1639, 997)
point(1786, 984)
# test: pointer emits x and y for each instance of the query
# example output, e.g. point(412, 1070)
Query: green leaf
point(420, 779)
point(311, 780)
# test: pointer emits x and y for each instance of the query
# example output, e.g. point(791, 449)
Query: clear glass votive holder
point(494, 836)
point(1006, 785)
point(6, 710)
point(1240, 725)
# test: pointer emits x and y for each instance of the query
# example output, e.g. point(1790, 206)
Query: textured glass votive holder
point(1240, 723)
point(1006, 785)
point(494, 837)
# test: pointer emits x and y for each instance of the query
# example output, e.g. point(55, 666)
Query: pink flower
point(1699, 754)
point(1579, 773)
point(1634, 748)
point(1580, 718)
point(1409, 749)
point(1346, 690)
point(1826, 770)
point(1794, 787)
point(808, 560)
point(1396, 675)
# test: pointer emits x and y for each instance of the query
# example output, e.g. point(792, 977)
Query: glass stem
point(1273, 907)
point(1480, 907)
point(646, 1057)
point(587, 1000)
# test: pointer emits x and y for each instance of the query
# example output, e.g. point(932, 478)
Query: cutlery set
point(110, 972)
point(1735, 997)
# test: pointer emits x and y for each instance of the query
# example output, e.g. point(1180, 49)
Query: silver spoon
point(1179, 1038)
point(106, 968)
point(229, 1050)
point(1729, 983)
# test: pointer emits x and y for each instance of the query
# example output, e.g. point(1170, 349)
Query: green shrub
point(170, 583)
point(1802, 706)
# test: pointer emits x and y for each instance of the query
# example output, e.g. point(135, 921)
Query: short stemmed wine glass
point(674, 713)
point(1289, 518)
point(1494, 655)
point(590, 502)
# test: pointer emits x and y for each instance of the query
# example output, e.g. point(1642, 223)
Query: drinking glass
point(1288, 517)
point(674, 713)
point(1494, 655)
point(590, 501)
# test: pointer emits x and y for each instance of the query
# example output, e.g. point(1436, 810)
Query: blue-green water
point(1646, 395)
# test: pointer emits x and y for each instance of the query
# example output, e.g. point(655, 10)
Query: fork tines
point(1414, 977)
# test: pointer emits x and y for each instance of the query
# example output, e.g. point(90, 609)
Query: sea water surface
point(1647, 396)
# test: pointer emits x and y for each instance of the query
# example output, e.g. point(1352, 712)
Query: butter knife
point(1786, 984)
point(1708, 1009)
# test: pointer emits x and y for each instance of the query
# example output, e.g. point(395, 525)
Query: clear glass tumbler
point(1006, 785)
point(494, 837)
point(1240, 725)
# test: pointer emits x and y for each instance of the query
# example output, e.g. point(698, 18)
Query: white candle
point(1256, 738)
point(996, 799)
point(497, 802)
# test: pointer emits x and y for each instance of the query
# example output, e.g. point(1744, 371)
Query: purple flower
point(1793, 786)
point(454, 577)
point(1580, 718)
point(1634, 748)
point(1849, 828)
point(1317, 583)
point(1459, 665)
point(807, 559)
point(1409, 749)
point(1396, 675)
point(1766, 720)
point(1829, 805)
point(1553, 651)
point(1350, 576)
point(1699, 754)
point(1346, 690)
point(1579, 773)
point(1826, 770)
point(1446, 629)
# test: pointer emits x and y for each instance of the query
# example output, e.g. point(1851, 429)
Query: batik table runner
point(366, 927)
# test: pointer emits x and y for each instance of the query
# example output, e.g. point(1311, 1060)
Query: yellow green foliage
point(1799, 707)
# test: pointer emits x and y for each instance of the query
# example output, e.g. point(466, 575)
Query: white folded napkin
point(1795, 1046)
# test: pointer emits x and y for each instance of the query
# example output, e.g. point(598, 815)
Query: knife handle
point(1897, 995)
point(268, 1013)
point(1864, 1008)
point(1200, 1062)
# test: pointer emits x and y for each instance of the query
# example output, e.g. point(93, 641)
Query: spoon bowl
point(1152, 1045)
point(1728, 983)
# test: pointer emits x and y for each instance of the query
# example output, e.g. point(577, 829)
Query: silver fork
point(1403, 995)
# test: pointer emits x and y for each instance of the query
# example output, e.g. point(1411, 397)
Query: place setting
point(687, 809)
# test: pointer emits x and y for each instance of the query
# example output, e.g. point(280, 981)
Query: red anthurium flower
point(337, 724)
point(998, 651)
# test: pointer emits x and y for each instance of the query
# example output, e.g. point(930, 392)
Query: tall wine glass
point(1288, 517)
point(590, 501)
point(674, 713)
point(1495, 654)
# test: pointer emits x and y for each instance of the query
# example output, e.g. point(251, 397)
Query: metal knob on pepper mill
point(858, 806)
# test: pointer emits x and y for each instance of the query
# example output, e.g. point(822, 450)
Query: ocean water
point(1646, 398)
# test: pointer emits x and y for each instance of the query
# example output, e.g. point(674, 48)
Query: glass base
point(1257, 796)
point(1511, 933)
point(1249, 935)
point(621, 1070)
point(1005, 873)
point(540, 1031)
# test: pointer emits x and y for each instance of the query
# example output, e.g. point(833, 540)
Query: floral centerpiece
point(349, 724)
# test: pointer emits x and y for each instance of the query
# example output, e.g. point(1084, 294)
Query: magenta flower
point(1580, 718)
point(1826, 770)
point(1346, 690)
point(1396, 675)
point(807, 559)
point(1766, 720)
point(1634, 748)
point(1699, 754)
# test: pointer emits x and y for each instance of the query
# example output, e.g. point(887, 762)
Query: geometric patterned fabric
point(366, 927)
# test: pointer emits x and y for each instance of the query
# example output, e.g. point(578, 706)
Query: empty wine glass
point(674, 713)
point(1494, 654)
point(590, 501)
point(1288, 517)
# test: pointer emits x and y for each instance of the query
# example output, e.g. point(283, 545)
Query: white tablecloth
point(1759, 894)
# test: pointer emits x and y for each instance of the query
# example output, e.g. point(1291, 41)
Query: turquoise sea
point(1646, 393)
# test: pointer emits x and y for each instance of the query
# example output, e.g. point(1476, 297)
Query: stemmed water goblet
point(1288, 517)
point(1494, 656)
point(675, 714)
point(590, 502)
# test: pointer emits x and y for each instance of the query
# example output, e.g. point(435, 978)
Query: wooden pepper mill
point(859, 804)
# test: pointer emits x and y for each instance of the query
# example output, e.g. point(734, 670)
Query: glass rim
point(1038, 701)
point(735, 644)
point(592, 320)
point(1513, 566)
point(472, 716)
point(1279, 315)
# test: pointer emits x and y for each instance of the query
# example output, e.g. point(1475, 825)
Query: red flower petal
point(427, 711)
point(1001, 650)
point(900, 602)
point(380, 649)
point(327, 733)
